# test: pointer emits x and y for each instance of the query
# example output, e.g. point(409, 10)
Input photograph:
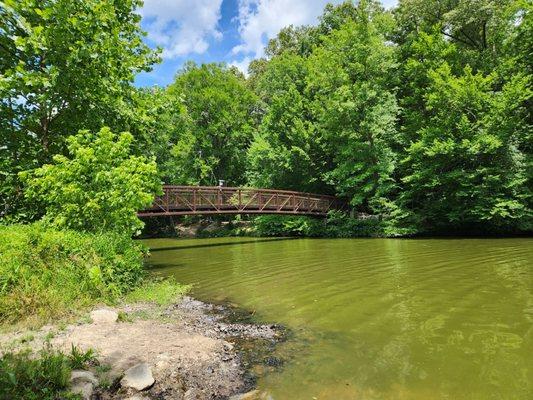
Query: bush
point(282, 225)
point(46, 273)
point(336, 225)
point(46, 377)
point(99, 188)
point(162, 291)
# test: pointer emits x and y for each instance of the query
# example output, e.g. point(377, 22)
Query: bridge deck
point(195, 200)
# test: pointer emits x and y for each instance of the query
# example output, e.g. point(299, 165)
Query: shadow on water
point(196, 246)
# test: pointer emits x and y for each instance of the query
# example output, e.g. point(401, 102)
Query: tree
point(99, 187)
point(163, 125)
point(477, 27)
point(466, 170)
point(64, 65)
point(223, 114)
point(352, 80)
point(466, 121)
point(285, 152)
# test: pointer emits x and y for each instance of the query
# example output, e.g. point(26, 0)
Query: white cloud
point(242, 65)
point(261, 20)
point(181, 27)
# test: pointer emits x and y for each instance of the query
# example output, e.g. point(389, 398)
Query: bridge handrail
point(229, 188)
point(191, 200)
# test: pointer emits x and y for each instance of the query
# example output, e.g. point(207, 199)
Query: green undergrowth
point(47, 274)
point(335, 225)
point(43, 376)
point(159, 291)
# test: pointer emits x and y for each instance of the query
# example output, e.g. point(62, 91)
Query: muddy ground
point(194, 350)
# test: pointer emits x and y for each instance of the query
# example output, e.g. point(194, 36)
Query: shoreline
point(211, 228)
point(191, 349)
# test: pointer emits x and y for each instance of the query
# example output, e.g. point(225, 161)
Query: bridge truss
point(199, 200)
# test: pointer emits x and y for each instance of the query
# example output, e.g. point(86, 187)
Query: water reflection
point(379, 318)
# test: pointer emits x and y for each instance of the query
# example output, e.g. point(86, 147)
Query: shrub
point(99, 188)
point(162, 291)
point(341, 225)
point(281, 225)
point(24, 376)
point(47, 273)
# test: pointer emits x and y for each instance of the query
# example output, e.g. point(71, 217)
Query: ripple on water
point(378, 318)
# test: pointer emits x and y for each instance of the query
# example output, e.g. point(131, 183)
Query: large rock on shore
point(83, 383)
point(138, 377)
point(104, 316)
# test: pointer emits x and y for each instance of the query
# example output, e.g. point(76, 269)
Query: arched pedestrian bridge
point(196, 200)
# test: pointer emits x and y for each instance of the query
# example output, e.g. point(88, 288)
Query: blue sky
point(231, 31)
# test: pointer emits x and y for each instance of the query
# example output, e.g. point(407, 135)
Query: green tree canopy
point(65, 65)
point(223, 115)
point(353, 81)
point(99, 187)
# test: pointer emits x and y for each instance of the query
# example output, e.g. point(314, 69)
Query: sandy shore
point(191, 349)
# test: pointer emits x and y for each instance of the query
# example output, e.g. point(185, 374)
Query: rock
point(85, 376)
point(137, 397)
point(138, 377)
point(85, 389)
point(228, 346)
point(83, 383)
point(104, 316)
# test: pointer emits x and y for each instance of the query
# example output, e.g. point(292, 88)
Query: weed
point(161, 291)
point(124, 317)
point(47, 273)
point(48, 337)
point(79, 359)
point(103, 379)
point(23, 377)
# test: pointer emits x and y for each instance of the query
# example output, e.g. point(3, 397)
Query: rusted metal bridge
point(196, 200)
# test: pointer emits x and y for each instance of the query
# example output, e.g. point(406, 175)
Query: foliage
point(65, 65)
point(280, 225)
point(465, 116)
point(419, 116)
point(47, 273)
point(159, 291)
point(163, 125)
point(99, 188)
point(24, 376)
point(283, 154)
point(465, 167)
point(352, 74)
point(221, 109)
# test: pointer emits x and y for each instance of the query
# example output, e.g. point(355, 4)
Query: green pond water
point(377, 318)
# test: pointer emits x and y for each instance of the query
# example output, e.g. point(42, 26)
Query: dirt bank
point(192, 350)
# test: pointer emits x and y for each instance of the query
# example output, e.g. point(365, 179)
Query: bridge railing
point(190, 200)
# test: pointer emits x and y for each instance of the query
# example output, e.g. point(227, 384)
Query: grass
point(24, 376)
point(47, 274)
point(79, 359)
point(159, 291)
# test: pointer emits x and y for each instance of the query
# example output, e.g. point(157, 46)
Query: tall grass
point(46, 376)
point(47, 273)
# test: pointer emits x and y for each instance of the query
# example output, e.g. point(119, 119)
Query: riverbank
point(185, 350)
point(334, 226)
